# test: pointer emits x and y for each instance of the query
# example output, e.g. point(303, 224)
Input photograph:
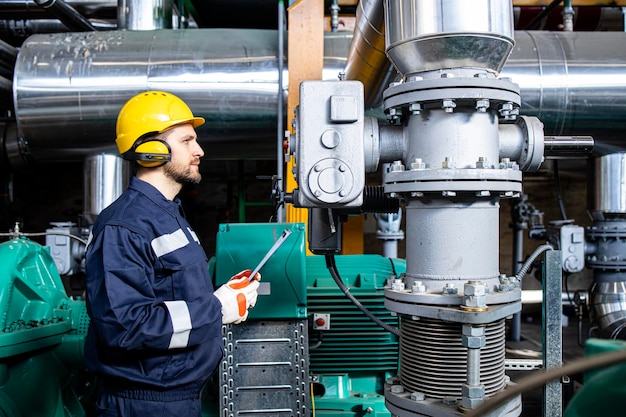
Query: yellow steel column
point(305, 62)
point(305, 53)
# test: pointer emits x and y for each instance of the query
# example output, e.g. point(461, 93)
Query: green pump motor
point(41, 337)
point(325, 357)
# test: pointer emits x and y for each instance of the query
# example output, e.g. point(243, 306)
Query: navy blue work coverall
point(154, 336)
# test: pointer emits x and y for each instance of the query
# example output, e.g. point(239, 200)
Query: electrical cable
point(393, 267)
point(312, 400)
point(332, 268)
point(526, 266)
point(539, 379)
point(557, 186)
point(320, 337)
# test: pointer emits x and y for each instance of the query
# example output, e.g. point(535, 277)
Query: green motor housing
point(42, 336)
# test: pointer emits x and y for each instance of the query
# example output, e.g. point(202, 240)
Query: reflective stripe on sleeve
point(181, 322)
point(165, 244)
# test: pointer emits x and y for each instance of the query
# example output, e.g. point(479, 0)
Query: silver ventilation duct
point(69, 88)
point(574, 82)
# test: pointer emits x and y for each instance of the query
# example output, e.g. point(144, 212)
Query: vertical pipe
point(390, 249)
point(334, 16)
point(568, 16)
point(145, 14)
point(106, 177)
point(280, 153)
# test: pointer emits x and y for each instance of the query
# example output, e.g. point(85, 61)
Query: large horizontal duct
point(574, 83)
point(69, 88)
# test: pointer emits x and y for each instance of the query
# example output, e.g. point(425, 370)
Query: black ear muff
point(151, 153)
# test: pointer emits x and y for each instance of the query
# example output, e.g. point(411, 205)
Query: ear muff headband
point(151, 153)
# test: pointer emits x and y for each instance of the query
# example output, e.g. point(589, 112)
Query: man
point(155, 331)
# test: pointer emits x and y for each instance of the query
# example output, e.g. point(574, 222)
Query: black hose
point(332, 268)
point(557, 185)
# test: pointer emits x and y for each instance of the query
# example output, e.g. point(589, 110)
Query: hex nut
point(418, 396)
point(473, 391)
point(475, 301)
point(473, 330)
point(473, 342)
point(474, 288)
point(471, 403)
point(397, 389)
point(450, 289)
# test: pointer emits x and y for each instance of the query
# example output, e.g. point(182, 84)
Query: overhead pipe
point(28, 9)
point(280, 133)
point(145, 14)
point(6, 93)
point(23, 18)
point(8, 56)
point(66, 14)
point(69, 88)
point(18, 30)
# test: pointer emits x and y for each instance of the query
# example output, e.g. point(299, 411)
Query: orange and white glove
point(237, 296)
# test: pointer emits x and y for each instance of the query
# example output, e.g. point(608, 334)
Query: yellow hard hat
point(151, 112)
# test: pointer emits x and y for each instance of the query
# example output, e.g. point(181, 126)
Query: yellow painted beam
point(306, 61)
point(305, 52)
point(352, 242)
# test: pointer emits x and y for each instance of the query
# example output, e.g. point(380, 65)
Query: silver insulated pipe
point(69, 88)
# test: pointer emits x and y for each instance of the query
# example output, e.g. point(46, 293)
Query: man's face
point(186, 153)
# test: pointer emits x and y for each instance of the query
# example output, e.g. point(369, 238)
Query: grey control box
point(329, 151)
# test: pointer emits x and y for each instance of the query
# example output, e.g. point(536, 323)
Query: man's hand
point(237, 296)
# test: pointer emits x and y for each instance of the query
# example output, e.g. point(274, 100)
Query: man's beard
point(181, 174)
